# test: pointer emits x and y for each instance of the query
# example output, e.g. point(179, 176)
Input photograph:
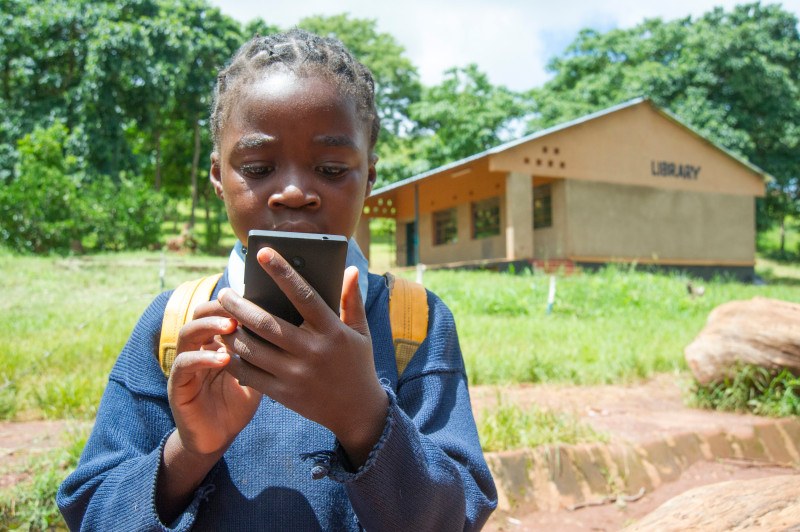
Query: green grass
point(66, 319)
point(508, 426)
point(614, 326)
point(753, 390)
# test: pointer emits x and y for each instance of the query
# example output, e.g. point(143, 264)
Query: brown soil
point(634, 413)
point(20, 441)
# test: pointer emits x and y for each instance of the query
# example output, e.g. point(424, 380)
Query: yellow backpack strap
point(408, 314)
point(180, 309)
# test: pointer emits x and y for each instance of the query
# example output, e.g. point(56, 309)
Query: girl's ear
point(372, 174)
point(215, 175)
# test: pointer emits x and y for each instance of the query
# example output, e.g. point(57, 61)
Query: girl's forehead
point(283, 89)
point(283, 93)
point(283, 105)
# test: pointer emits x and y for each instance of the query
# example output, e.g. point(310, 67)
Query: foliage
point(509, 426)
point(35, 206)
point(753, 389)
point(396, 80)
point(464, 115)
point(50, 205)
point(734, 76)
point(780, 242)
point(131, 82)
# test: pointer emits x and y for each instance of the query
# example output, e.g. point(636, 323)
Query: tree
point(464, 115)
point(50, 206)
point(206, 40)
point(734, 76)
point(130, 80)
point(396, 80)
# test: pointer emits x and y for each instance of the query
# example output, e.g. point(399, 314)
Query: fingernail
point(221, 356)
point(225, 323)
point(266, 254)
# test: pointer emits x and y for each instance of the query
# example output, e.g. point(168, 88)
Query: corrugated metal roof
point(544, 132)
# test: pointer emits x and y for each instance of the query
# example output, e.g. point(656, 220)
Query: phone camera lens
point(298, 262)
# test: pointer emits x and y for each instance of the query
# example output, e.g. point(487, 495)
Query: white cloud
point(511, 40)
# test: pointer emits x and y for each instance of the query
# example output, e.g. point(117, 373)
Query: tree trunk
point(195, 162)
point(783, 235)
point(157, 136)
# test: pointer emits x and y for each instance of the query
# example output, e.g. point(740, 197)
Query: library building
point(630, 184)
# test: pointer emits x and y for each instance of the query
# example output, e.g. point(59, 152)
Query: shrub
point(51, 205)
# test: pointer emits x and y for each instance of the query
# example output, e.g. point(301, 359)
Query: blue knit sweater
point(284, 472)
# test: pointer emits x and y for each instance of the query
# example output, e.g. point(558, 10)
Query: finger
point(353, 313)
point(188, 363)
point(209, 308)
point(201, 332)
point(305, 299)
point(260, 322)
point(249, 375)
point(260, 354)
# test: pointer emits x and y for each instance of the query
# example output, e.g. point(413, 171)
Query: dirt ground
point(633, 413)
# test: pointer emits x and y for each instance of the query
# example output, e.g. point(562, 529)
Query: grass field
point(65, 320)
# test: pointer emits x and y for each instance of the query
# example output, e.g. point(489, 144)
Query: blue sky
point(510, 40)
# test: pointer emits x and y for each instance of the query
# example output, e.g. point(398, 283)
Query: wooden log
point(760, 332)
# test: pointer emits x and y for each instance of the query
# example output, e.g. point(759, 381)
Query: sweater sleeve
point(113, 487)
point(427, 472)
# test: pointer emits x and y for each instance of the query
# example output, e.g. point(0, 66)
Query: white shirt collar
point(354, 258)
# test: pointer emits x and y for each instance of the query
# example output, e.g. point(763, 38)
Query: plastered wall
point(608, 222)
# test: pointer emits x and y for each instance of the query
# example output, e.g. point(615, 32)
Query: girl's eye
point(255, 170)
point(331, 171)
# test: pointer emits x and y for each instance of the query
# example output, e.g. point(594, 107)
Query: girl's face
point(294, 155)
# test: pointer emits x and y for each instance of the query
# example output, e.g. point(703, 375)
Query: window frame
point(445, 231)
point(543, 215)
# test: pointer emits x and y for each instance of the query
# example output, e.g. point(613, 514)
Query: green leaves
point(464, 115)
point(734, 76)
point(52, 206)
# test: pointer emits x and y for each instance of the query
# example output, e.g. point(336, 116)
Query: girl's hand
point(209, 406)
point(324, 369)
point(210, 409)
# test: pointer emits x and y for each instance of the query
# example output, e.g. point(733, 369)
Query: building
point(631, 183)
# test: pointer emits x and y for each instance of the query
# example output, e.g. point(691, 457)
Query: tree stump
point(759, 332)
point(770, 503)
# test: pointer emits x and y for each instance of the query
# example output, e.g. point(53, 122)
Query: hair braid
point(303, 53)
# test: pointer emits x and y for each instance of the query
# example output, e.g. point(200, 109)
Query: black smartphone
point(319, 259)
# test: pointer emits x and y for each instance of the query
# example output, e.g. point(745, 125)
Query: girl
point(337, 441)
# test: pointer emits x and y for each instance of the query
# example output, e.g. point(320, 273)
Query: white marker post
point(551, 296)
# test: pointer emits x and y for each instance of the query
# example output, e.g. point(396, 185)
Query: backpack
point(408, 316)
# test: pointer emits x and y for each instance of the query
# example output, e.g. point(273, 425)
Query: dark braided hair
point(303, 53)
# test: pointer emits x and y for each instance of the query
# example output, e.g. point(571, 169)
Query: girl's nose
point(293, 197)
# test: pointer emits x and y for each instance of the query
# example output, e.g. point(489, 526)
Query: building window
point(445, 226)
point(486, 218)
point(542, 207)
